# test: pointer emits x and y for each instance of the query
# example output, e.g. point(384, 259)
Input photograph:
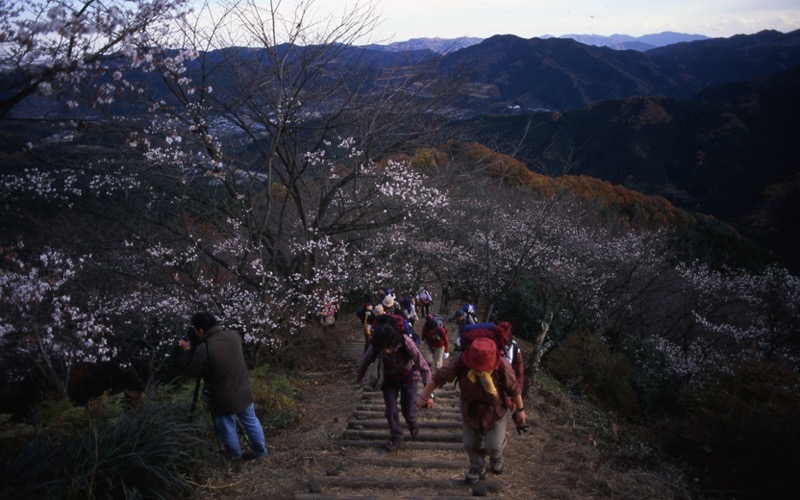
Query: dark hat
point(482, 355)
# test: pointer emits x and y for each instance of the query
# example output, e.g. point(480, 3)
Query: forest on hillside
point(296, 187)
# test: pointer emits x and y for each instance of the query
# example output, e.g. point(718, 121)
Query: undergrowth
point(149, 452)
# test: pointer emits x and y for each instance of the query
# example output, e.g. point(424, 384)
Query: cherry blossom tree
point(244, 200)
point(735, 315)
point(261, 126)
point(48, 45)
point(242, 161)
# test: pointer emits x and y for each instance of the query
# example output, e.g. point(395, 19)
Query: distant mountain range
point(617, 42)
point(640, 43)
point(709, 123)
point(513, 74)
point(436, 45)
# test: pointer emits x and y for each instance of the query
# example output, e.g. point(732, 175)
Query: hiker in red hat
point(488, 386)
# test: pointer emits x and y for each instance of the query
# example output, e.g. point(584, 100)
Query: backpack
point(402, 325)
point(511, 351)
point(438, 335)
point(361, 313)
point(501, 390)
point(489, 330)
point(472, 332)
point(470, 312)
point(375, 374)
point(479, 326)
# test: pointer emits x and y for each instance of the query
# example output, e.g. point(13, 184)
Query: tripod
point(239, 427)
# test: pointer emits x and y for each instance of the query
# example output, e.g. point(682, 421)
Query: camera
point(190, 336)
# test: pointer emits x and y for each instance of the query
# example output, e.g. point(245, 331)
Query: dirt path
point(571, 452)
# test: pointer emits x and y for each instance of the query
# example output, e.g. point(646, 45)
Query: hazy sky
point(404, 19)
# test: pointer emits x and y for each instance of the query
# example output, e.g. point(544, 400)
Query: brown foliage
point(616, 203)
point(583, 363)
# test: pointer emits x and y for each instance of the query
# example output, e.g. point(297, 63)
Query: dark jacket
point(219, 359)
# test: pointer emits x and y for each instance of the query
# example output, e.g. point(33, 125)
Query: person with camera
point(216, 355)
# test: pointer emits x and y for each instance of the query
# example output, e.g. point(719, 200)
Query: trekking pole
point(239, 426)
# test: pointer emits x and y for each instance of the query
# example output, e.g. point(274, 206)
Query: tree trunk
point(536, 354)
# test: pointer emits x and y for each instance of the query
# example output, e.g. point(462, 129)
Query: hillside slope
point(573, 451)
point(730, 152)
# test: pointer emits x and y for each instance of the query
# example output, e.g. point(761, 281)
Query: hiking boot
point(392, 444)
point(473, 476)
point(496, 465)
point(249, 455)
point(414, 432)
point(236, 465)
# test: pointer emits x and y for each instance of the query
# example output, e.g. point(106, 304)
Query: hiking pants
point(438, 357)
point(490, 442)
point(408, 398)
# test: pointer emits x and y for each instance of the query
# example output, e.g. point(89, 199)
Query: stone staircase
point(432, 466)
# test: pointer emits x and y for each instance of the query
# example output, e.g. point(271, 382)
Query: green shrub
point(56, 417)
point(584, 365)
point(741, 429)
point(521, 307)
point(275, 397)
point(14, 435)
point(148, 453)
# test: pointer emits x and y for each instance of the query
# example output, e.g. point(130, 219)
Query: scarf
point(485, 379)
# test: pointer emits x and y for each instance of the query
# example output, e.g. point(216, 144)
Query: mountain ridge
point(729, 151)
point(616, 41)
point(691, 121)
point(523, 75)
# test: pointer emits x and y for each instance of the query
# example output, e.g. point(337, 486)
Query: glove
point(446, 355)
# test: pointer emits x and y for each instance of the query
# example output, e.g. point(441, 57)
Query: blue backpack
point(470, 312)
point(474, 326)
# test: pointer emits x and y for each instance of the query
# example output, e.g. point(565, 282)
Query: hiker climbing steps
point(440, 427)
point(429, 465)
